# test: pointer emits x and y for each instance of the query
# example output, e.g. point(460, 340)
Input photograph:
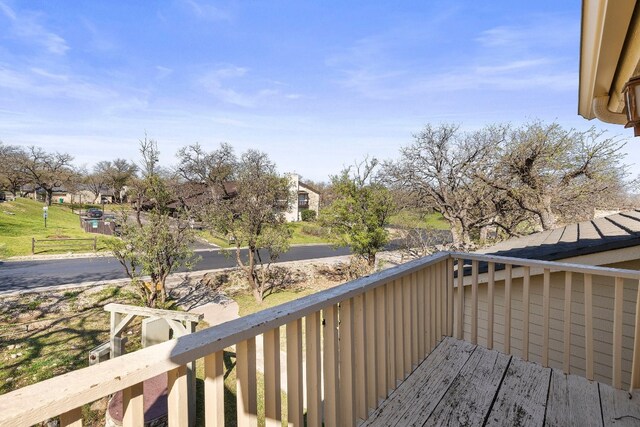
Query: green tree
point(157, 243)
point(156, 249)
point(251, 214)
point(358, 215)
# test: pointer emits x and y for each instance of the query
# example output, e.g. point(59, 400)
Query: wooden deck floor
point(461, 384)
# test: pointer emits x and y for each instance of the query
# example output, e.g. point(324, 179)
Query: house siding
point(602, 312)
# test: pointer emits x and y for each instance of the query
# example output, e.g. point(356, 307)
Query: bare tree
point(553, 174)
point(12, 174)
point(439, 171)
point(116, 174)
point(47, 170)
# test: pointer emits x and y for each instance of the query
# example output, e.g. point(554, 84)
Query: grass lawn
point(414, 219)
point(21, 220)
point(298, 237)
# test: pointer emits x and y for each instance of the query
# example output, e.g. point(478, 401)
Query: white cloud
point(27, 26)
point(207, 11)
point(223, 82)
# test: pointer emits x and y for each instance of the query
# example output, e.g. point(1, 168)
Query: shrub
point(314, 230)
point(308, 215)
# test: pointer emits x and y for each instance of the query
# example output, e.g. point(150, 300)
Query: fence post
point(95, 243)
point(33, 246)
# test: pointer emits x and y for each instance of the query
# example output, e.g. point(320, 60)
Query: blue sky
point(317, 85)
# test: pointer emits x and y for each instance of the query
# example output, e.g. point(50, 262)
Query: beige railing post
point(72, 418)
point(272, 392)
point(246, 394)
point(588, 325)
point(214, 389)
point(566, 359)
point(313, 369)
point(490, 303)
point(545, 316)
point(330, 365)
point(347, 371)
point(525, 312)
point(381, 342)
point(617, 332)
point(474, 302)
point(371, 339)
point(507, 307)
point(294, 373)
point(177, 398)
point(133, 406)
point(635, 363)
point(460, 314)
point(360, 356)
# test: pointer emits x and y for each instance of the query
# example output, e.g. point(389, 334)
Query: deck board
point(618, 408)
point(471, 394)
point(460, 384)
point(522, 398)
point(573, 400)
point(427, 384)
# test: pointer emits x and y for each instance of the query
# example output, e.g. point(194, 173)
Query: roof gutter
point(601, 110)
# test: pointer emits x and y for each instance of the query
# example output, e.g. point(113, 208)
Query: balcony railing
point(364, 337)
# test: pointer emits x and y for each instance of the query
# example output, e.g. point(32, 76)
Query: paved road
point(23, 275)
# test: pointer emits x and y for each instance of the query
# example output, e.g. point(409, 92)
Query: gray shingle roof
point(616, 231)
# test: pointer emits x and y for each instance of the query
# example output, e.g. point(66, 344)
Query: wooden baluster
point(566, 359)
point(347, 371)
point(420, 298)
point(391, 336)
point(617, 332)
point(406, 324)
point(426, 283)
point(443, 299)
point(314, 371)
point(371, 338)
point(381, 342)
point(449, 297)
point(272, 392)
point(588, 324)
point(432, 306)
point(437, 307)
point(399, 333)
point(246, 393)
point(360, 355)
point(490, 303)
point(545, 316)
point(214, 388)
point(294, 374)
point(132, 406)
point(177, 398)
point(507, 308)
point(635, 363)
point(460, 314)
point(526, 281)
point(474, 302)
point(72, 418)
point(330, 363)
point(415, 345)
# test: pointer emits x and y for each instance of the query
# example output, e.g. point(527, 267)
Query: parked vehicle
point(94, 213)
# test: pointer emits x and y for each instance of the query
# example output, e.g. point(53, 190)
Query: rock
point(13, 356)
point(19, 354)
point(8, 380)
point(11, 347)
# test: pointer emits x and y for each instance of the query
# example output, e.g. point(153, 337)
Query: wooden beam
point(133, 406)
point(331, 366)
point(526, 281)
point(272, 393)
point(314, 370)
point(294, 374)
point(246, 386)
point(214, 389)
point(177, 402)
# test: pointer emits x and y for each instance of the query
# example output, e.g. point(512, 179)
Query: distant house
point(304, 197)
point(62, 195)
point(307, 198)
